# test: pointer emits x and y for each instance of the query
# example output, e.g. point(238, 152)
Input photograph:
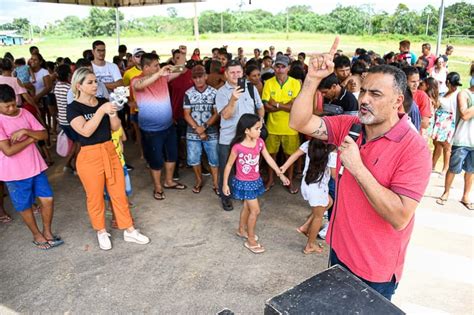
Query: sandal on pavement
point(5, 219)
point(216, 191)
point(245, 236)
point(317, 250)
point(159, 195)
point(468, 205)
point(441, 201)
point(177, 186)
point(257, 249)
point(43, 245)
point(197, 189)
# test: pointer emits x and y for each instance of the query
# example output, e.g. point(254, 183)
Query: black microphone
point(354, 133)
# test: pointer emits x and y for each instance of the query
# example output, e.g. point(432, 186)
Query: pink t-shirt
point(363, 240)
point(13, 82)
point(246, 164)
point(27, 163)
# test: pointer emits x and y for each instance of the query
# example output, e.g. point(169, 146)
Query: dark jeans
point(224, 151)
point(387, 289)
point(159, 146)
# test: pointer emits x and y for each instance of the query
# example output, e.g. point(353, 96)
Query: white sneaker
point(104, 241)
point(324, 231)
point(136, 237)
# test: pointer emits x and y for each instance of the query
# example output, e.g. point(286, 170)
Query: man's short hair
point(358, 67)
point(328, 81)
point(6, 64)
point(426, 45)
point(399, 78)
point(233, 63)
point(97, 43)
point(389, 55)
point(360, 51)
point(410, 70)
point(7, 94)
point(405, 43)
point(83, 63)
point(302, 54)
point(366, 58)
point(148, 58)
point(122, 49)
point(341, 62)
point(268, 57)
point(215, 49)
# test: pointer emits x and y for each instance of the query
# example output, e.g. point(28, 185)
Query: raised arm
point(149, 80)
point(302, 118)
point(229, 110)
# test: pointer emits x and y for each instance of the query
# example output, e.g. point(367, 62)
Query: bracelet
point(113, 114)
point(278, 105)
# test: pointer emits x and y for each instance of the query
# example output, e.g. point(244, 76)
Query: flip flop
point(55, 243)
point(270, 187)
point(292, 190)
point(159, 195)
point(5, 219)
point(245, 237)
point(441, 201)
point(43, 245)
point(257, 249)
point(317, 250)
point(216, 191)
point(197, 189)
point(468, 205)
point(177, 186)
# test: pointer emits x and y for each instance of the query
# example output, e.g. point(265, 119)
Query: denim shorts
point(24, 192)
point(128, 185)
point(159, 146)
point(462, 159)
point(194, 150)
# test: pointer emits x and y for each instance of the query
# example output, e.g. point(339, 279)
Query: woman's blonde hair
point(78, 78)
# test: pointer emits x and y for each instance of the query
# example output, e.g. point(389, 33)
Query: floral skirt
point(247, 190)
point(442, 126)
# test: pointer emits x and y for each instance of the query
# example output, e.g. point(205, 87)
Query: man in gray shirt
point(232, 102)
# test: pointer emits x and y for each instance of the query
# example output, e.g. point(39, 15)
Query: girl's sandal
point(256, 249)
point(5, 219)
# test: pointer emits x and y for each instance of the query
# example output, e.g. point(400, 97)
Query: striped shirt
point(60, 90)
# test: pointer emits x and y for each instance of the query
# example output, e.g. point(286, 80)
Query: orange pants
point(99, 166)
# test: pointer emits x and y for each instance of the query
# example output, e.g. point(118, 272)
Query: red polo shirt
point(400, 161)
point(178, 87)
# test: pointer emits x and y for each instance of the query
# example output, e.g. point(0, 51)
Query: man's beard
point(368, 118)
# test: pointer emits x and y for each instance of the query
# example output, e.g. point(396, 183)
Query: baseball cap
point(282, 60)
point(137, 51)
point(454, 79)
point(198, 71)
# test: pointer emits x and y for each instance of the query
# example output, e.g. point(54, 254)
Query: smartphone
point(241, 83)
point(177, 69)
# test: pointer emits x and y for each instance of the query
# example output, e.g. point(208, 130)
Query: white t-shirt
point(39, 84)
point(108, 73)
point(450, 103)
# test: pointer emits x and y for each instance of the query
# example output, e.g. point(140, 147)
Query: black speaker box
point(333, 291)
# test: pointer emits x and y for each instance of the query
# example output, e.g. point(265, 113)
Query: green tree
point(459, 19)
point(403, 21)
point(102, 22)
point(348, 20)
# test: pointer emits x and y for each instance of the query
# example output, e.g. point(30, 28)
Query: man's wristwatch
point(278, 105)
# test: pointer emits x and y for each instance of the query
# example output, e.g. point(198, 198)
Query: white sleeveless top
point(464, 133)
point(441, 78)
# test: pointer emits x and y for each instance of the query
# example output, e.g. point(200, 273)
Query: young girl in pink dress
point(247, 185)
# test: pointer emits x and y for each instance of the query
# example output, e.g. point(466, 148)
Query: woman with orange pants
point(98, 164)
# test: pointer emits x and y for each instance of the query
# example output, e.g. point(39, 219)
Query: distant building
point(9, 38)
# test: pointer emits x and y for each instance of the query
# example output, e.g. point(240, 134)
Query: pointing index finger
point(334, 46)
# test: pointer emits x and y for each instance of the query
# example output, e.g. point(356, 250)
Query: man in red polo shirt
point(386, 171)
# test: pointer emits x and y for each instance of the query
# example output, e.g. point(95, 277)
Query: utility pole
point(440, 27)
point(427, 24)
point(196, 25)
point(222, 23)
point(117, 25)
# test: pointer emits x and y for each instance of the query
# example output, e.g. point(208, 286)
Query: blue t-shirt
point(415, 116)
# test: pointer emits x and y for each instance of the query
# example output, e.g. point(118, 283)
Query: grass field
point(55, 47)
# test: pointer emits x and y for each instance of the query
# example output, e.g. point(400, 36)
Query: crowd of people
point(273, 113)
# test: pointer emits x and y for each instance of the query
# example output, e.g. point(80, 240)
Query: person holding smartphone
point(232, 101)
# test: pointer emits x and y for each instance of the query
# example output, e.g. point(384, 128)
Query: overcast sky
point(42, 13)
